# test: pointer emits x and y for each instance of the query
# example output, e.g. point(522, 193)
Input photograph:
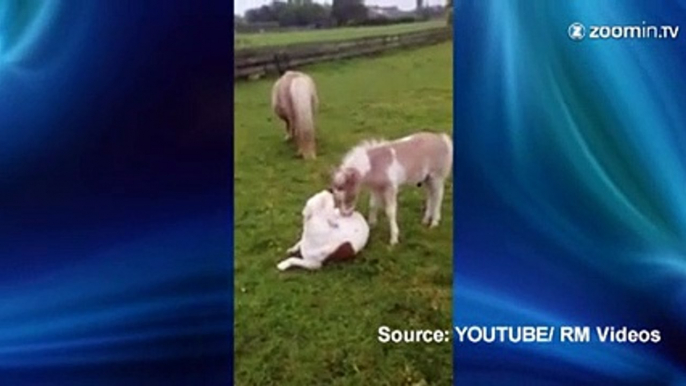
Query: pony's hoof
point(426, 221)
point(306, 155)
point(434, 224)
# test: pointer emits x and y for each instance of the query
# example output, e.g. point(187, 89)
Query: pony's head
point(345, 185)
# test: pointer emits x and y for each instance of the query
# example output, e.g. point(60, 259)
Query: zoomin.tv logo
point(577, 31)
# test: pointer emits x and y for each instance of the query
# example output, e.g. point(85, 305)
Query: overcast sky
point(240, 6)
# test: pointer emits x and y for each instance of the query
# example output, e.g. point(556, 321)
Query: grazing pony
point(295, 101)
point(422, 158)
point(327, 235)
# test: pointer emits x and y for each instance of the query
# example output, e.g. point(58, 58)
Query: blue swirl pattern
point(570, 191)
point(115, 193)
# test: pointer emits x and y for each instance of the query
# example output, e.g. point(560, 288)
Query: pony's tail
point(303, 102)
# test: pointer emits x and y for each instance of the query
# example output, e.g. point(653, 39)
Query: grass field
point(283, 38)
point(320, 328)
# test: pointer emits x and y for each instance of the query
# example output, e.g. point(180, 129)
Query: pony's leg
point(438, 186)
point(307, 146)
point(289, 130)
point(374, 203)
point(296, 262)
point(390, 198)
point(300, 144)
point(429, 201)
point(301, 147)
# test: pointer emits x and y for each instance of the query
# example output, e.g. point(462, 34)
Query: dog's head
point(320, 203)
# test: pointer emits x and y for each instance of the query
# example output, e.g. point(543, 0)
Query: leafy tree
point(260, 15)
point(291, 13)
point(347, 11)
point(450, 8)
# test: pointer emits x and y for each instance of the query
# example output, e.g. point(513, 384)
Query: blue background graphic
point(115, 192)
point(570, 190)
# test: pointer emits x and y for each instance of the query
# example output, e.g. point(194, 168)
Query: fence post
point(279, 59)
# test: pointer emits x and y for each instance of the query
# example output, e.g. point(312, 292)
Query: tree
point(450, 8)
point(260, 15)
point(346, 11)
point(291, 13)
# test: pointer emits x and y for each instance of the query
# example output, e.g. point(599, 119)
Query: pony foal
point(422, 158)
point(295, 101)
point(327, 236)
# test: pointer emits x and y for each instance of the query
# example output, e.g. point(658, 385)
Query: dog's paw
point(282, 266)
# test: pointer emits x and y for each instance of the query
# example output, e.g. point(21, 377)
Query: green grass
point(320, 328)
point(292, 37)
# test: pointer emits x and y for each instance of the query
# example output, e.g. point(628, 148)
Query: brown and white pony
point(295, 101)
point(382, 167)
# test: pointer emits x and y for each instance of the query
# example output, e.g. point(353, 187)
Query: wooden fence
point(260, 61)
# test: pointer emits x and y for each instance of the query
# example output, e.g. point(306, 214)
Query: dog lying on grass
point(327, 235)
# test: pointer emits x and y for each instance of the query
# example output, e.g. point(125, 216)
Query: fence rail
point(259, 61)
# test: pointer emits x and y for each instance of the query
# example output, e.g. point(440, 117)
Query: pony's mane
point(364, 145)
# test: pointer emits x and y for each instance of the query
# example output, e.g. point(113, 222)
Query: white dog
point(327, 235)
